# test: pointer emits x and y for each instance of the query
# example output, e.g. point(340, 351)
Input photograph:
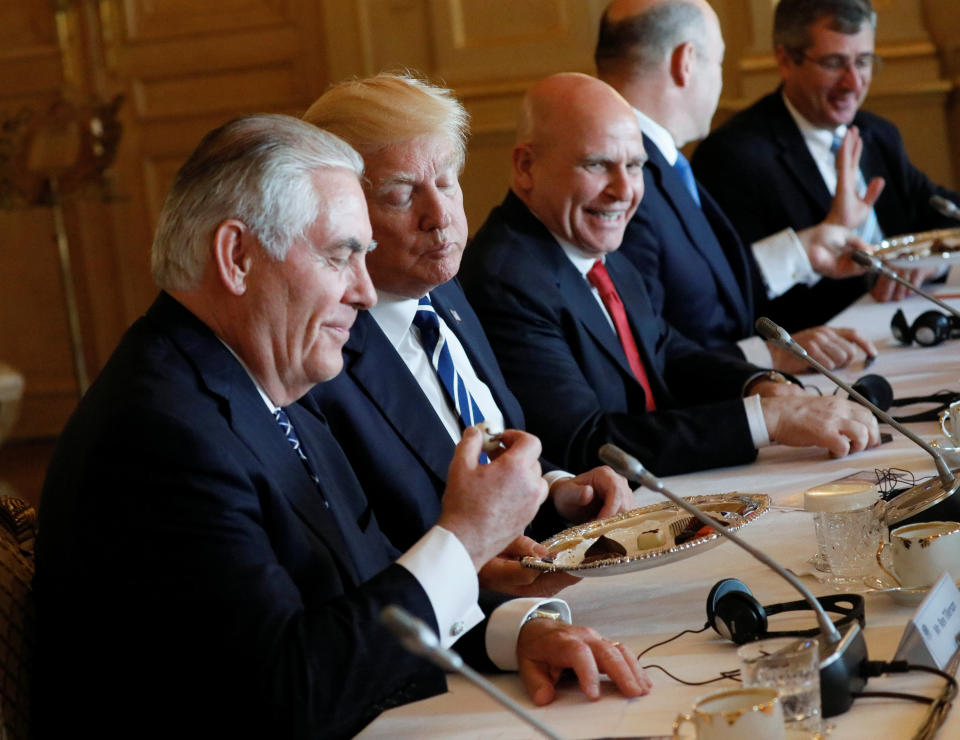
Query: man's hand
point(828, 248)
point(546, 648)
point(832, 348)
point(487, 506)
point(596, 494)
point(505, 574)
point(826, 421)
point(886, 289)
point(849, 208)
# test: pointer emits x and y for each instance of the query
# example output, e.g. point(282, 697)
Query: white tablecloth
point(642, 608)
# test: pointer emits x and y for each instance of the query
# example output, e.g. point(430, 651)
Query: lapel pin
point(456, 316)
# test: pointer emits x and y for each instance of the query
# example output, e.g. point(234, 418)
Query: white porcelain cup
point(950, 423)
point(735, 714)
point(922, 552)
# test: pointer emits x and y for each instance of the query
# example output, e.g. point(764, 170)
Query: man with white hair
point(207, 564)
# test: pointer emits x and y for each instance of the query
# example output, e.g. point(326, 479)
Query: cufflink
point(456, 629)
point(543, 614)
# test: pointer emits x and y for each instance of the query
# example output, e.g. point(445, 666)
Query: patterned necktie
point(428, 323)
point(682, 166)
point(869, 230)
point(600, 279)
point(291, 434)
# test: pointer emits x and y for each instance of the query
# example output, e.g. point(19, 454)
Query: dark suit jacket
point(190, 580)
point(697, 272)
point(760, 171)
point(395, 442)
point(564, 362)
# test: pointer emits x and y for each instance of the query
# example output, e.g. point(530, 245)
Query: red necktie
point(600, 279)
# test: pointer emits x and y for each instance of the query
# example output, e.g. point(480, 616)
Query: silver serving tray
point(737, 509)
point(913, 250)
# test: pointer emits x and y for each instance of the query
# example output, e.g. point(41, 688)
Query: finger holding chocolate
point(491, 436)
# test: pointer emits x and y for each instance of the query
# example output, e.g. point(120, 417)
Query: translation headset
point(876, 389)
point(734, 612)
point(928, 330)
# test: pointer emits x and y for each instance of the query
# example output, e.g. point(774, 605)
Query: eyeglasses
point(862, 64)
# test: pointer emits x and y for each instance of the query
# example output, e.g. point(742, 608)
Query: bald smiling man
point(589, 372)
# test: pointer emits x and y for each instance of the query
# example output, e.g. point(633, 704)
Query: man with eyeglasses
point(774, 165)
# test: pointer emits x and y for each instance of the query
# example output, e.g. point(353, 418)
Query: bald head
point(578, 160)
point(665, 57)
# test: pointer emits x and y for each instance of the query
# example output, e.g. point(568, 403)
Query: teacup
point(922, 552)
point(734, 714)
point(950, 423)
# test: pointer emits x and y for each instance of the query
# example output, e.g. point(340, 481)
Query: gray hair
point(792, 20)
point(390, 108)
point(646, 39)
point(258, 169)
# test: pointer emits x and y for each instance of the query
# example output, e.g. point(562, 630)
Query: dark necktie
point(428, 323)
point(291, 434)
point(600, 279)
point(682, 166)
point(869, 230)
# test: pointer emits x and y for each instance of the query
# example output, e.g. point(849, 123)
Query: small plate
point(921, 249)
point(659, 524)
point(901, 595)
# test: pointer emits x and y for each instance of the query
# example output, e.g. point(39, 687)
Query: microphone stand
point(873, 263)
point(945, 207)
point(947, 481)
point(841, 656)
point(420, 640)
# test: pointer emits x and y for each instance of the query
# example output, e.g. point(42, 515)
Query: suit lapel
point(377, 368)
point(794, 155)
point(251, 421)
point(697, 225)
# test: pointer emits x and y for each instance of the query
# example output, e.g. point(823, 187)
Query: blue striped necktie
point(428, 323)
point(869, 230)
point(291, 434)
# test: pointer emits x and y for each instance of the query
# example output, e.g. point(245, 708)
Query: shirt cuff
point(503, 629)
point(783, 262)
point(756, 422)
point(755, 351)
point(444, 569)
point(554, 475)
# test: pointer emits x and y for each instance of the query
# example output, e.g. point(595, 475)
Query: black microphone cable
point(939, 706)
point(733, 674)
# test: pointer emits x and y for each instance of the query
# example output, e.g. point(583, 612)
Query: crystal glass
point(792, 666)
point(848, 541)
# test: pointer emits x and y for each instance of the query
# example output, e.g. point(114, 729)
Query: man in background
point(774, 165)
point(665, 58)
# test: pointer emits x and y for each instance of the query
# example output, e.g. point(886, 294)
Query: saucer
point(900, 594)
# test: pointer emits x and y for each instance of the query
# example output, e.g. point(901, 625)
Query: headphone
point(877, 390)
point(928, 330)
point(734, 612)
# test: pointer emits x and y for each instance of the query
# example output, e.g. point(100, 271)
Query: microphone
point(420, 640)
point(878, 265)
point(945, 207)
point(948, 483)
point(841, 656)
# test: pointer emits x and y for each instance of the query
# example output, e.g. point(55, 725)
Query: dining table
point(644, 607)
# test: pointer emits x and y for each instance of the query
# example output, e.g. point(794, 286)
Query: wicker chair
point(18, 525)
